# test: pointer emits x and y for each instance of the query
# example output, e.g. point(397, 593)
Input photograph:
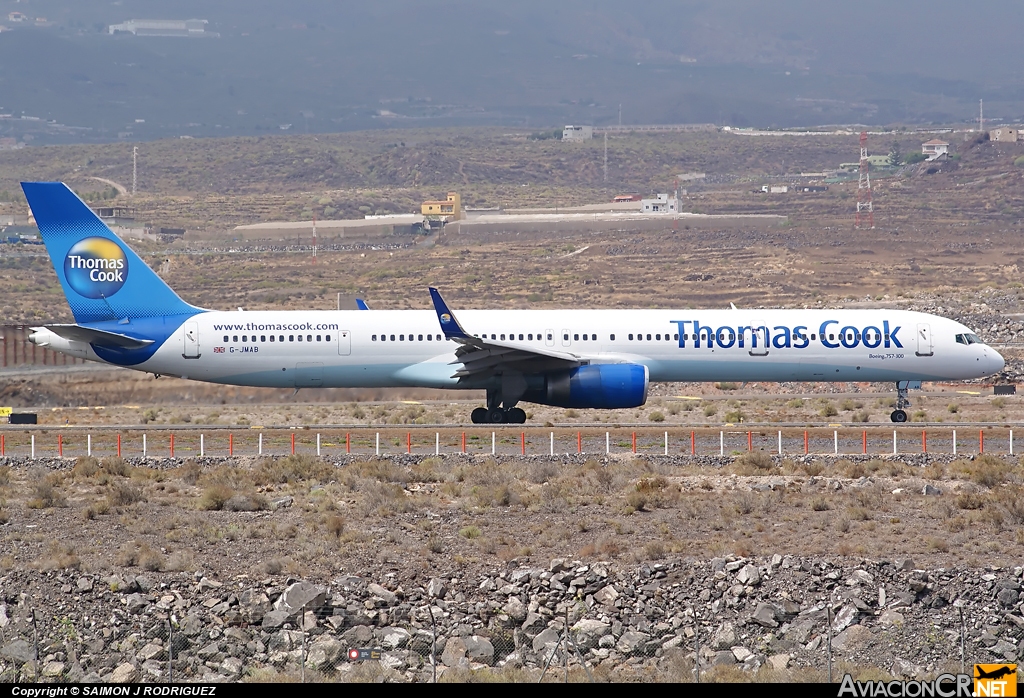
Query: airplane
point(125, 315)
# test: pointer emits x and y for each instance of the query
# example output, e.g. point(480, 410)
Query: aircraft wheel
point(516, 416)
point(898, 416)
point(496, 416)
point(479, 415)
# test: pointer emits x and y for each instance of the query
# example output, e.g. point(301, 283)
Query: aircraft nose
point(996, 361)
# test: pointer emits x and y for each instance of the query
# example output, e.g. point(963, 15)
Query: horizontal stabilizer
point(101, 338)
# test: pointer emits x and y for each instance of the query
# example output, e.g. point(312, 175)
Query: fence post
point(750, 441)
point(579, 442)
point(170, 651)
point(981, 441)
point(693, 443)
point(780, 442)
point(202, 445)
point(634, 442)
point(143, 445)
point(463, 442)
point(60, 445)
point(1011, 442)
point(806, 442)
point(835, 438)
point(865, 442)
point(666, 443)
point(88, 444)
point(894, 442)
point(492, 443)
point(318, 445)
point(607, 444)
point(721, 443)
point(33, 443)
point(231, 444)
point(954, 442)
point(3, 446)
point(522, 442)
point(377, 447)
point(924, 441)
point(118, 445)
point(552, 443)
point(348, 442)
point(260, 447)
point(437, 443)
point(293, 443)
point(408, 442)
point(172, 445)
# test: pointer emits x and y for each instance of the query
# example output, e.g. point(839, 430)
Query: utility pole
point(606, 157)
point(981, 115)
point(864, 187)
point(135, 169)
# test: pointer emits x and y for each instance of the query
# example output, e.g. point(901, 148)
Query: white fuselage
point(392, 348)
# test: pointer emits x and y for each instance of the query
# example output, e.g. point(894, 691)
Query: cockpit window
point(968, 338)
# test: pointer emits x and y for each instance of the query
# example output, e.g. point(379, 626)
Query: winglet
point(449, 325)
point(361, 304)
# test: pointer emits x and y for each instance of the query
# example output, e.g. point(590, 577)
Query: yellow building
point(450, 208)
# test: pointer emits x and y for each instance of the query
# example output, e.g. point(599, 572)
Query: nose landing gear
point(899, 415)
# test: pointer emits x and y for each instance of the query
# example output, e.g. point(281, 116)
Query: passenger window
point(657, 337)
point(244, 338)
point(576, 337)
point(631, 338)
point(530, 336)
point(300, 337)
point(814, 336)
point(675, 336)
point(291, 338)
point(421, 337)
point(374, 338)
point(392, 338)
point(520, 338)
point(565, 337)
point(503, 338)
point(281, 338)
point(263, 337)
point(401, 338)
point(648, 338)
point(327, 337)
point(957, 337)
point(272, 337)
point(430, 338)
point(235, 338)
point(551, 336)
point(831, 336)
point(611, 337)
point(318, 338)
point(309, 338)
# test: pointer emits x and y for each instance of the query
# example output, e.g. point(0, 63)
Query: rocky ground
point(775, 618)
point(273, 568)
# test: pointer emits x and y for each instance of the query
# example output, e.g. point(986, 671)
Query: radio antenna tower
point(981, 115)
point(606, 157)
point(865, 214)
point(135, 169)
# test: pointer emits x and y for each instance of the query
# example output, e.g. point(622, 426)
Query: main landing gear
point(494, 413)
point(899, 415)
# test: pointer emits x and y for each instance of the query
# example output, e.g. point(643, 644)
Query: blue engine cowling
point(600, 386)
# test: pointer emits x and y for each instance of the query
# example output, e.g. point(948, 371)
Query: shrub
point(725, 386)
point(215, 497)
point(1019, 162)
point(657, 417)
point(735, 416)
point(758, 460)
point(123, 494)
point(953, 408)
point(470, 532)
point(829, 410)
point(710, 410)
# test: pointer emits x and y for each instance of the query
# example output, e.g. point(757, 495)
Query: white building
point(1004, 134)
point(934, 149)
point(577, 133)
point(661, 204)
point(162, 27)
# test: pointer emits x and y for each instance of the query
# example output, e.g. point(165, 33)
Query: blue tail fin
point(102, 278)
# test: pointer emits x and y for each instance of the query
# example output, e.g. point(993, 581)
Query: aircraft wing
point(102, 338)
point(479, 357)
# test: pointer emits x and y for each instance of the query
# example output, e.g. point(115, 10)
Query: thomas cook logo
point(96, 267)
point(446, 318)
